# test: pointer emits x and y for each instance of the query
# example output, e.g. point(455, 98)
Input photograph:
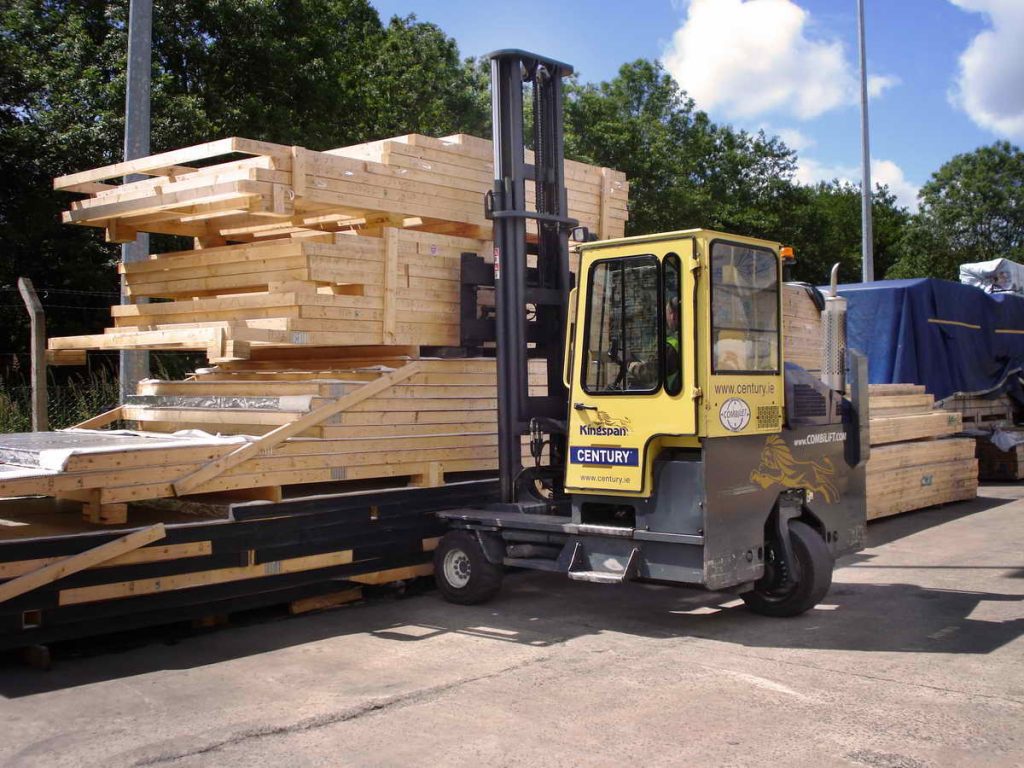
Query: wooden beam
point(88, 559)
point(390, 283)
point(107, 417)
point(160, 164)
point(189, 483)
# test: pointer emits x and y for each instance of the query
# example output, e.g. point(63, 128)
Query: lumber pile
point(240, 190)
point(910, 468)
point(982, 416)
point(426, 421)
point(354, 246)
point(801, 326)
point(983, 413)
point(335, 290)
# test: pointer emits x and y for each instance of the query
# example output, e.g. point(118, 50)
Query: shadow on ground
point(541, 610)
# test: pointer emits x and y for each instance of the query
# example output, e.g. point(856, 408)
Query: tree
point(823, 223)
point(972, 209)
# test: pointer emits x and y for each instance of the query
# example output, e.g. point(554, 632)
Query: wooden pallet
point(910, 466)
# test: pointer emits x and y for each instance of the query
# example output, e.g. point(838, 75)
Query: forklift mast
point(531, 295)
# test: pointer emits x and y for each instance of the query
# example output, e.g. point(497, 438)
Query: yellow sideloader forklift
point(673, 444)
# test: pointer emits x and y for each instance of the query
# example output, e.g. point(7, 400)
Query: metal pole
point(38, 324)
point(867, 241)
point(135, 363)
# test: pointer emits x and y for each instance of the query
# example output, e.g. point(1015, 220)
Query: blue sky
point(947, 76)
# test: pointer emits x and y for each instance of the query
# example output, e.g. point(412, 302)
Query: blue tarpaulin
point(952, 338)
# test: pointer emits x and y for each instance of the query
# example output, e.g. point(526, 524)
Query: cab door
point(633, 375)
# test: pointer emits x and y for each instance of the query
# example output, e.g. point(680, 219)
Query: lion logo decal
point(605, 419)
point(779, 466)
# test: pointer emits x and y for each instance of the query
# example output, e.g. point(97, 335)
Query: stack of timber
point(983, 413)
point(401, 289)
point(424, 421)
point(910, 468)
point(354, 246)
point(277, 191)
point(801, 324)
point(982, 416)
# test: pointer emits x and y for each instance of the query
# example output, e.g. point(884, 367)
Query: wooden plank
point(102, 420)
point(892, 429)
point(325, 602)
point(394, 574)
point(211, 470)
point(91, 557)
point(390, 283)
point(115, 590)
point(157, 164)
point(150, 554)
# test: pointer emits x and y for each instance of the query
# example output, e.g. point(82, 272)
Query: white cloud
point(884, 172)
point(990, 84)
point(794, 139)
point(751, 57)
point(891, 175)
point(879, 84)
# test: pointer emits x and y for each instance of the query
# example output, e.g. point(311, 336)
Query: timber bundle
point(353, 246)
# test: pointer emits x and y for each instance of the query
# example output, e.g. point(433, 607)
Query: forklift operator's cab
point(676, 338)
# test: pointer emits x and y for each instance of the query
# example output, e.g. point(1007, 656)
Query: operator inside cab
point(673, 362)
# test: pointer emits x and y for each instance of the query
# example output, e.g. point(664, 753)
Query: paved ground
point(916, 660)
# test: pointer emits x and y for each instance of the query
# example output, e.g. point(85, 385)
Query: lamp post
point(867, 241)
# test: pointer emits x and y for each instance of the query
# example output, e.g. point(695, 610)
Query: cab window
point(623, 316)
point(673, 345)
point(744, 309)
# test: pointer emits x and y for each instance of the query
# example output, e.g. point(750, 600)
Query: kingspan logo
point(599, 431)
point(603, 424)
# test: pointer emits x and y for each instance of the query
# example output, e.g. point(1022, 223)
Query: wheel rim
point(457, 568)
point(769, 587)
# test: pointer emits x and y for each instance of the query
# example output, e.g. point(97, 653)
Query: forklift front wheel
point(814, 568)
point(462, 571)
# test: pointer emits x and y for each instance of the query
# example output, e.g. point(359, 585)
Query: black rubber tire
point(816, 566)
point(483, 578)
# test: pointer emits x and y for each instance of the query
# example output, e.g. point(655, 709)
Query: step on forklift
point(671, 444)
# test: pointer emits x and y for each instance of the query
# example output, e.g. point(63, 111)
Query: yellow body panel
point(614, 437)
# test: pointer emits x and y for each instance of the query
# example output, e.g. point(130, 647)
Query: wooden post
point(38, 323)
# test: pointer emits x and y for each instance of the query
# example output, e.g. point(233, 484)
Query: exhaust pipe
point(833, 325)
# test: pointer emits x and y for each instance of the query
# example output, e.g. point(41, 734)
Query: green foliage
point(824, 226)
point(684, 170)
point(972, 209)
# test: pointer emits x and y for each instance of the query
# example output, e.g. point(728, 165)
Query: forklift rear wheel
point(463, 573)
point(815, 564)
